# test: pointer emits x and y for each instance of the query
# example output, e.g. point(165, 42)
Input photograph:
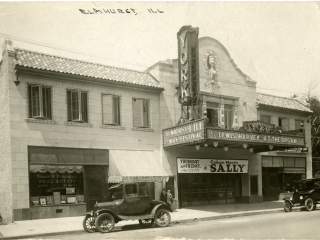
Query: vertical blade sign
point(188, 63)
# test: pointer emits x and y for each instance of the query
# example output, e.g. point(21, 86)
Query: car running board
point(136, 217)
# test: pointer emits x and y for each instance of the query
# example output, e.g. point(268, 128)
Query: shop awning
point(135, 166)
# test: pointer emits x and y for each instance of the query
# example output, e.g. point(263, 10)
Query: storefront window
point(54, 185)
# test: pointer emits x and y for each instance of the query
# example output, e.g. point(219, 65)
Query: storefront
point(279, 171)
point(65, 181)
point(210, 181)
point(218, 166)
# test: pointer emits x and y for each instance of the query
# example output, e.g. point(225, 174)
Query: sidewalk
point(32, 228)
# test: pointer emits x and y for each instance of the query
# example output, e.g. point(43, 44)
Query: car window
point(143, 189)
point(131, 189)
point(115, 192)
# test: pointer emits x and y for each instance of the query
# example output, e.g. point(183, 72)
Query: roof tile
point(281, 102)
point(41, 61)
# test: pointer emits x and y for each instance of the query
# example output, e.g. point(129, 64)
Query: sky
point(275, 43)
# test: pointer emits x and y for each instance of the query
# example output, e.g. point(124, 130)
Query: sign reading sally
point(189, 165)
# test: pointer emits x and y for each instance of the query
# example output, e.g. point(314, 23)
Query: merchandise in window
point(77, 104)
point(39, 101)
point(56, 184)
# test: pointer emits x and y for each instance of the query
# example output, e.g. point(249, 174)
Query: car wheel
point(287, 206)
point(309, 204)
point(105, 222)
point(146, 222)
point(162, 218)
point(88, 224)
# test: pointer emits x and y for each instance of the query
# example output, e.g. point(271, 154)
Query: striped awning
point(136, 166)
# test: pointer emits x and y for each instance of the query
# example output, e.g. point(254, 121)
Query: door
point(95, 185)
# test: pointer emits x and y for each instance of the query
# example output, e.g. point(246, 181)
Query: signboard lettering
point(188, 165)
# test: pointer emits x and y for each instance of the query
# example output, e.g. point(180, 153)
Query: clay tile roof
point(281, 102)
point(41, 61)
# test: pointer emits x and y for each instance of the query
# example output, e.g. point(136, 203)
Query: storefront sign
point(186, 133)
point(188, 64)
point(216, 134)
point(188, 165)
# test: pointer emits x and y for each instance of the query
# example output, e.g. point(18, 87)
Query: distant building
point(69, 128)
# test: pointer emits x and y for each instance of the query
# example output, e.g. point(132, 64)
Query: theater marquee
point(190, 165)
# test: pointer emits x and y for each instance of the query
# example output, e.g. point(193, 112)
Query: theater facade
point(232, 144)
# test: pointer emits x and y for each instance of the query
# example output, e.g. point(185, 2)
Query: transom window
point(77, 104)
point(39, 97)
point(110, 109)
point(141, 115)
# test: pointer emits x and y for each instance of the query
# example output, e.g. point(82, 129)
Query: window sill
point(143, 129)
point(117, 127)
point(39, 120)
point(77, 124)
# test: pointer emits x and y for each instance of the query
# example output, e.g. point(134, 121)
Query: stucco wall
point(58, 133)
point(5, 143)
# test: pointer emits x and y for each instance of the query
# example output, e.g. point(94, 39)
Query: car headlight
point(301, 197)
point(290, 198)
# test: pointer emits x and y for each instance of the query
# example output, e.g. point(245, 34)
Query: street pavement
point(32, 228)
point(294, 225)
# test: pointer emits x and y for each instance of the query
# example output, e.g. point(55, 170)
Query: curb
point(242, 214)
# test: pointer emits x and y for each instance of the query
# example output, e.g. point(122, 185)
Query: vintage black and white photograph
point(159, 120)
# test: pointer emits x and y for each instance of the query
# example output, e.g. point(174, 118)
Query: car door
point(130, 205)
point(316, 193)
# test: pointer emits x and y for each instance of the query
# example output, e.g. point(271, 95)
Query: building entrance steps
point(40, 227)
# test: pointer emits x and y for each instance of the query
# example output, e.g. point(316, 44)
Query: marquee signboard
point(186, 133)
point(192, 165)
point(217, 134)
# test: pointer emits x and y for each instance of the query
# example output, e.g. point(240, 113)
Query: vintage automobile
point(129, 201)
point(304, 193)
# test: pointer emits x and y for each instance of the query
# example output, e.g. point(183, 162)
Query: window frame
point(229, 111)
point(113, 116)
point(41, 104)
point(148, 114)
point(80, 105)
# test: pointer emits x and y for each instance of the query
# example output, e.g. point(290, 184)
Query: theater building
point(69, 128)
point(242, 146)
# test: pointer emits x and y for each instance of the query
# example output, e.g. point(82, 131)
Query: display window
point(56, 184)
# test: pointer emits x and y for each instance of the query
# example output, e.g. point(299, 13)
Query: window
point(284, 123)
point(141, 118)
point(77, 104)
point(131, 189)
point(213, 114)
point(299, 124)
point(39, 101)
point(228, 116)
point(110, 109)
point(265, 118)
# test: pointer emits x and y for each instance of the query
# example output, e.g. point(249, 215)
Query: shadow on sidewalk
point(237, 207)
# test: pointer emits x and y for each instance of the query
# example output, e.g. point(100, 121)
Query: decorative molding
point(39, 120)
point(116, 127)
point(78, 124)
point(143, 129)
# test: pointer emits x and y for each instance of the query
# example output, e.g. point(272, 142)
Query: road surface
point(293, 225)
